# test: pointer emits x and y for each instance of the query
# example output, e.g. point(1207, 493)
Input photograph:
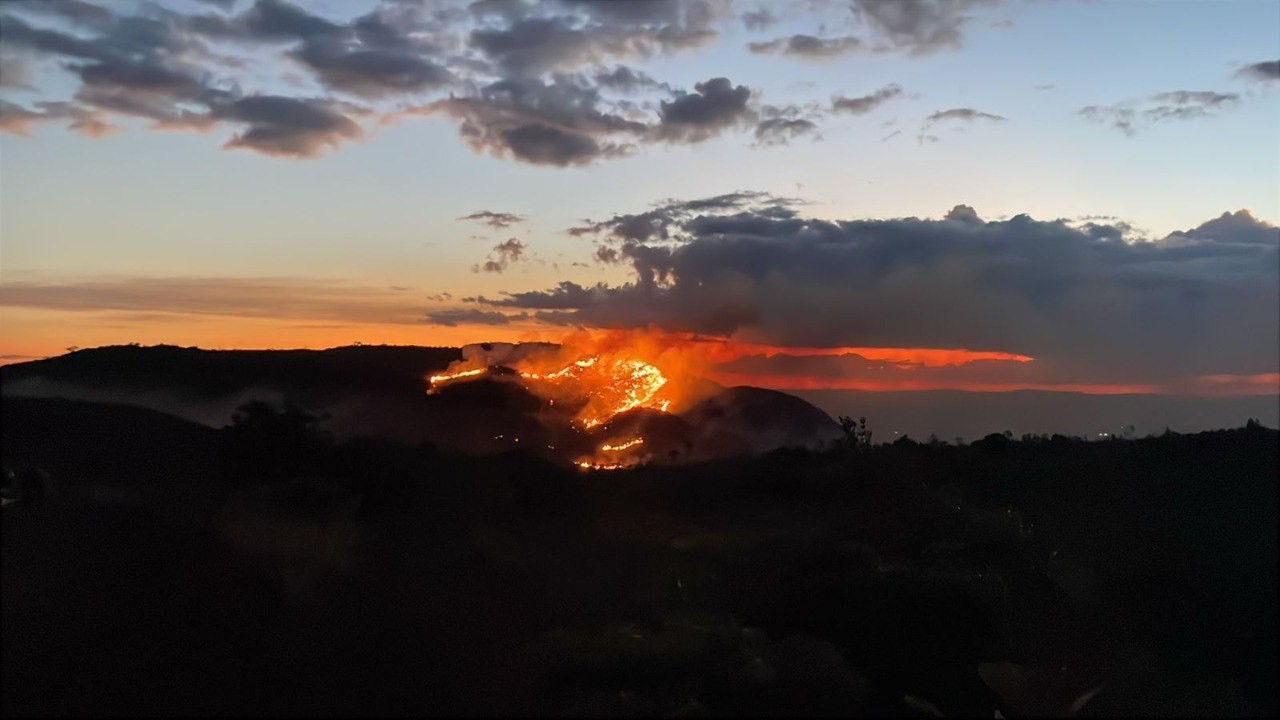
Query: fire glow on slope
point(605, 386)
point(591, 376)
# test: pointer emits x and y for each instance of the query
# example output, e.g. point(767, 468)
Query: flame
point(437, 380)
point(623, 446)
point(602, 384)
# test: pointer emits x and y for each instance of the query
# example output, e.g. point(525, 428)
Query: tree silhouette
point(856, 434)
point(266, 444)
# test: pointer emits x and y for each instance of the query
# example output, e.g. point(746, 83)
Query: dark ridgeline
point(277, 565)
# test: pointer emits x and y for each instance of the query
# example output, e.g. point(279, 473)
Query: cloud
point(1129, 116)
point(1239, 227)
point(956, 114)
point(780, 126)
point(963, 213)
point(527, 40)
point(283, 298)
point(916, 27)
point(503, 253)
point(626, 79)
point(714, 106)
point(371, 72)
point(965, 114)
point(655, 224)
point(558, 123)
point(288, 127)
point(16, 119)
point(473, 316)
point(866, 103)
point(1088, 304)
point(494, 219)
point(807, 47)
point(782, 130)
point(1267, 71)
point(537, 83)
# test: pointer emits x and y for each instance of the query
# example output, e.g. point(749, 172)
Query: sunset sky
point(1082, 194)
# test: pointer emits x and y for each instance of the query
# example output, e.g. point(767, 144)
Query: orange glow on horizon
point(724, 349)
point(801, 382)
point(32, 334)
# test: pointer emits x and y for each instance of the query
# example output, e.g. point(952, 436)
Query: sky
point(1079, 195)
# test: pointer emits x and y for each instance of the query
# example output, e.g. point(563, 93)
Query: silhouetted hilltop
point(207, 374)
point(103, 445)
point(744, 419)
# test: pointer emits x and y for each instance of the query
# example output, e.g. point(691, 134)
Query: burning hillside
point(589, 386)
point(616, 398)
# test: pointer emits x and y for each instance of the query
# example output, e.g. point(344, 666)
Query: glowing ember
point(438, 380)
point(628, 444)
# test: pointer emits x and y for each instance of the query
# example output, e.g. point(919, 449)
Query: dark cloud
point(18, 33)
point(473, 316)
point(625, 79)
point(966, 114)
point(504, 253)
point(372, 72)
point(714, 106)
point(1237, 227)
point(779, 126)
point(567, 122)
point(288, 127)
point(1185, 104)
point(963, 213)
point(533, 82)
point(535, 45)
point(958, 114)
point(782, 130)
point(494, 219)
point(655, 225)
point(807, 47)
point(1267, 70)
point(568, 35)
point(558, 123)
point(281, 20)
point(866, 103)
point(1129, 116)
point(1086, 302)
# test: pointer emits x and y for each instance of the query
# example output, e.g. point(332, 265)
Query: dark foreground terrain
point(154, 565)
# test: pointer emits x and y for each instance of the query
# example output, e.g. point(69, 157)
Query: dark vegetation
point(269, 567)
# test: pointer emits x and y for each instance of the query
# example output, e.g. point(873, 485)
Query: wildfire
point(592, 376)
point(604, 386)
